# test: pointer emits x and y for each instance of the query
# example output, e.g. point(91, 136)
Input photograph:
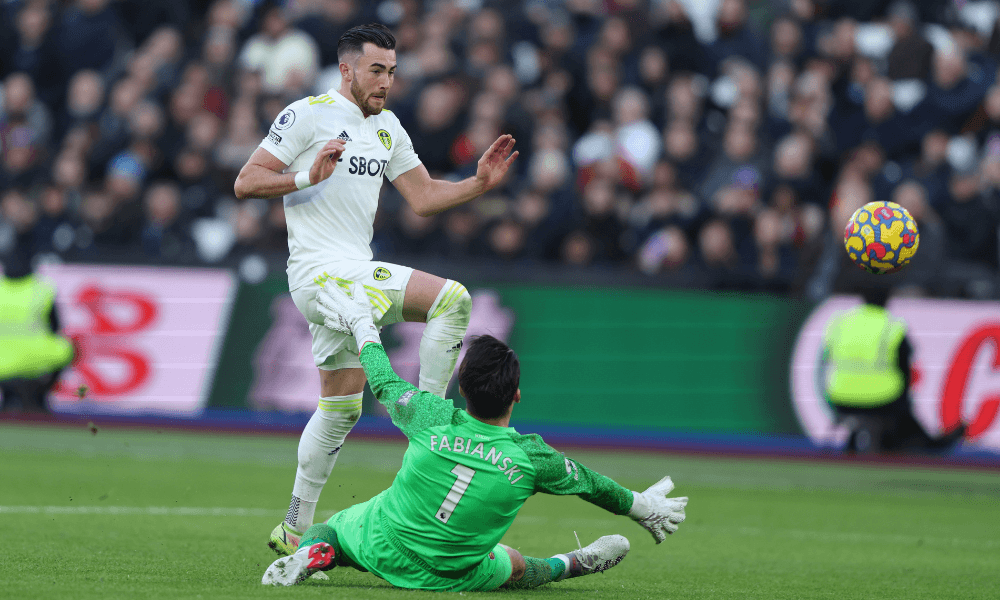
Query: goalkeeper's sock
point(320, 532)
point(447, 320)
point(539, 571)
point(319, 447)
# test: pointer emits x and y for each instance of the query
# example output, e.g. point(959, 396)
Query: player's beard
point(362, 101)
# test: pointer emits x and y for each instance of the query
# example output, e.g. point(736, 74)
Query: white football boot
point(300, 565)
point(598, 556)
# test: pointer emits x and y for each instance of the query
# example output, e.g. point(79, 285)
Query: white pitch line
point(182, 511)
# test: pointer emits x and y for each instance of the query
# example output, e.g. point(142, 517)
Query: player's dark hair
point(354, 39)
point(489, 377)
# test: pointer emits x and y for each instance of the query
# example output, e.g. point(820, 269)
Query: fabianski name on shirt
point(463, 445)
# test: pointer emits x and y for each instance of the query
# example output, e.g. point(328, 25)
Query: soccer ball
point(881, 237)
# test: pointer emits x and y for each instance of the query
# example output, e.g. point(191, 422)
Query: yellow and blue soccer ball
point(881, 237)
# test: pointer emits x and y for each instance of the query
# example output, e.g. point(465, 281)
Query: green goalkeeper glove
point(658, 514)
point(351, 312)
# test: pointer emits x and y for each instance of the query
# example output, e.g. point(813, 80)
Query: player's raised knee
point(453, 302)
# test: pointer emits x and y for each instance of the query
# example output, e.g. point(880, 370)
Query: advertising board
point(147, 338)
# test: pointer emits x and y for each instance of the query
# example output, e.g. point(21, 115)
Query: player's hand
point(326, 161)
point(348, 310)
point(495, 162)
point(658, 514)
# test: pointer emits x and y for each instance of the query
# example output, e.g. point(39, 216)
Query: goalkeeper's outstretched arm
point(557, 474)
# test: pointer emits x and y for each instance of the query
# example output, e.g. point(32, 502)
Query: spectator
point(956, 88)
point(198, 187)
point(793, 167)
point(287, 58)
point(23, 111)
point(113, 124)
point(241, 139)
point(736, 36)
point(507, 240)
point(786, 39)
point(971, 218)
point(665, 250)
point(102, 229)
point(437, 120)
point(637, 139)
point(326, 21)
point(37, 51)
point(684, 148)
point(54, 230)
point(578, 249)
point(740, 163)
point(601, 221)
point(84, 103)
point(461, 234)
point(162, 236)
point(88, 36)
point(720, 262)
point(776, 262)
point(911, 54)
point(913, 197)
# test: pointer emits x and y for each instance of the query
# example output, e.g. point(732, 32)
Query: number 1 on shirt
point(463, 476)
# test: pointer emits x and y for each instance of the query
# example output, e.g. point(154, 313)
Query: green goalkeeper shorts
point(368, 546)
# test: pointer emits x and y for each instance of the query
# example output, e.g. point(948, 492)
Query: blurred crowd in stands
point(711, 143)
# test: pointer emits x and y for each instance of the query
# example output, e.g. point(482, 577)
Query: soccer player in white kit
point(327, 156)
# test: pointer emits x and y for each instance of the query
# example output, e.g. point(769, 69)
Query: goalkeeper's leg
point(530, 572)
point(319, 550)
point(445, 306)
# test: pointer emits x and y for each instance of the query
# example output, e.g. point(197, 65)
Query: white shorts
point(333, 350)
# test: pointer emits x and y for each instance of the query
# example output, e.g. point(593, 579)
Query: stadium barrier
point(197, 344)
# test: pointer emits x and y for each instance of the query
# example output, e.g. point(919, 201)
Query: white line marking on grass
point(851, 537)
point(180, 511)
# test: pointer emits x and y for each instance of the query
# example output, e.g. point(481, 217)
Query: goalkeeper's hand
point(351, 312)
point(658, 514)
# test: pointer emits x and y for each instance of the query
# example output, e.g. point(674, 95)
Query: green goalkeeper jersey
point(463, 481)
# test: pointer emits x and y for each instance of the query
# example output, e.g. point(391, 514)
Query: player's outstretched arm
point(263, 176)
point(411, 409)
point(557, 474)
point(428, 196)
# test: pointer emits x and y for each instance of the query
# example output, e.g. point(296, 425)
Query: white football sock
point(319, 447)
point(447, 320)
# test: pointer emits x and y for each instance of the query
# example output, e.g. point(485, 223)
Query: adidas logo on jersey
point(343, 136)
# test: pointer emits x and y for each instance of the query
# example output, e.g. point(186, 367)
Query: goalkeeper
point(464, 477)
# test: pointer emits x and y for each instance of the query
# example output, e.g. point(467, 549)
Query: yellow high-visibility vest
point(862, 353)
point(27, 347)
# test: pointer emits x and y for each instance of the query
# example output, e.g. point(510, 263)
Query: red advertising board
point(956, 367)
point(147, 338)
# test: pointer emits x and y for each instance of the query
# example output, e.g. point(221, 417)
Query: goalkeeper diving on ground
point(465, 475)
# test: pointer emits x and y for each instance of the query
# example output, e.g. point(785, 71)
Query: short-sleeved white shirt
point(333, 220)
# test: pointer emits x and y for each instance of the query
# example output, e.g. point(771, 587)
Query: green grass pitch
point(150, 514)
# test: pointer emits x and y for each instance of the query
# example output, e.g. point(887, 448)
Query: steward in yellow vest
point(864, 366)
point(866, 378)
point(31, 352)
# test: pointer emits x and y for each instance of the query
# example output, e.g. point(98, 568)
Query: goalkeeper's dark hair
point(354, 39)
point(489, 377)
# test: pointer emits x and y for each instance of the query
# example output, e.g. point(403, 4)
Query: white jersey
point(333, 220)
